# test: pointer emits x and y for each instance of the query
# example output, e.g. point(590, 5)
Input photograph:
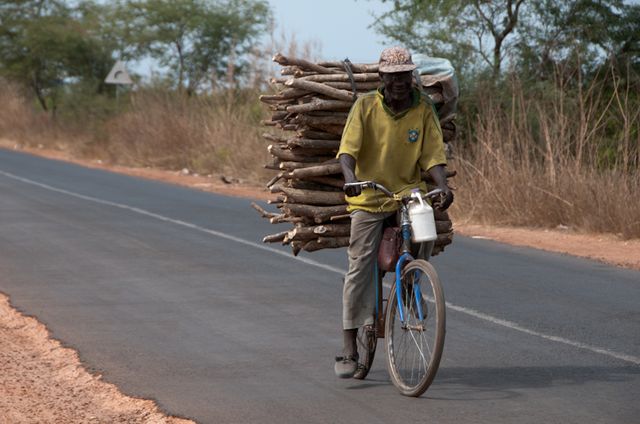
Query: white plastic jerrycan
point(423, 224)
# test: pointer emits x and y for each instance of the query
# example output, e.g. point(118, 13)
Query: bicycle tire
point(412, 361)
point(366, 341)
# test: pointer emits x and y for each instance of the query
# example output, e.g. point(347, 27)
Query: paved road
point(169, 294)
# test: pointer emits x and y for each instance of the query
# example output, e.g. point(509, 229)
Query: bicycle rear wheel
point(414, 346)
point(366, 341)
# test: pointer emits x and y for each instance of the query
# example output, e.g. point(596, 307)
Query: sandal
point(346, 366)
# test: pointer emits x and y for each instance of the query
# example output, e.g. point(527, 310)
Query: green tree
point(199, 41)
point(460, 29)
point(584, 33)
point(45, 44)
point(533, 34)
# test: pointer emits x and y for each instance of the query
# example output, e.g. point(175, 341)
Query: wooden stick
point(317, 171)
point(284, 95)
point(336, 129)
point(328, 181)
point(319, 135)
point(355, 67)
point(326, 231)
point(333, 229)
point(310, 151)
point(273, 165)
point(275, 179)
point(274, 238)
point(316, 87)
point(314, 144)
point(444, 239)
point(263, 212)
point(319, 104)
point(284, 218)
point(335, 119)
point(340, 217)
point(294, 166)
point(440, 215)
point(310, 185)
point(326, 243)
point(311, 197)
point(319, 214)
point(296, 247)
point(276, 201)
point(290, 70)
point(360, 86)
point(288, 155)
point(448, 135)
point(288, 61)
point(342, 77)
point(273, 137)
point(444, 227)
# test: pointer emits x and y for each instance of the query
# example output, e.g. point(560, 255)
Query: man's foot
point(346, 366)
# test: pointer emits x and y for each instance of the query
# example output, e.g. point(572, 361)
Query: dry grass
point(206, 135)
point(554, 161)
point(19, 121)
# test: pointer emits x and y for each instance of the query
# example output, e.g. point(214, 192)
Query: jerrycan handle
point(415, 193)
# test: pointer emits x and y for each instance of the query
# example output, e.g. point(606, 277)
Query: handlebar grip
point(370, 184)
point(434, 192)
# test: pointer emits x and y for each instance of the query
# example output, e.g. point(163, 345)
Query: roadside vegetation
point(549, 111)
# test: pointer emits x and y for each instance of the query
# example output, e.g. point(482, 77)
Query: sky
point(339, 26)
point(337, 29)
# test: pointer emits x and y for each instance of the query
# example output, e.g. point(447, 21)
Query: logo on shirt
point(413, 135)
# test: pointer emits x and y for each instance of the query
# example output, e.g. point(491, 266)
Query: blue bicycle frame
point(404, 257)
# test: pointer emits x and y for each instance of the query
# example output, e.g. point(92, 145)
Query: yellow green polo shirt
point(391, 149)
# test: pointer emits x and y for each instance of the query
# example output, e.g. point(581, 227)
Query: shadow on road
point(503, 381)
point(485, 383)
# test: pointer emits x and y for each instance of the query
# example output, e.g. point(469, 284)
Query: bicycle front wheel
point(415, 342)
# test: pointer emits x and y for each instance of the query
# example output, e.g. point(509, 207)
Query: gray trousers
point(359, 291)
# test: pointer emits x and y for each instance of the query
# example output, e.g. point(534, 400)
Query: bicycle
point(414, 331)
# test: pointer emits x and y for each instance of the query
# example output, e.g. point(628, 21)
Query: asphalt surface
point(169, 293)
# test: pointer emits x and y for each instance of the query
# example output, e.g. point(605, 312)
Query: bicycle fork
point(406, 256)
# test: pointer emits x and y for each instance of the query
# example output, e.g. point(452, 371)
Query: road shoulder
point(42, 381)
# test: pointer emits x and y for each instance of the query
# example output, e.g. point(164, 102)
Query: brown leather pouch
point(388, 253)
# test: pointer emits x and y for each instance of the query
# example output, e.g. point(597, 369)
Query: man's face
point(397, 85)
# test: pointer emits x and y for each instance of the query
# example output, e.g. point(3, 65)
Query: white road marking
point(467, 311)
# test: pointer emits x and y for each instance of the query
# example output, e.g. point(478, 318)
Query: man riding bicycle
point(391, 136)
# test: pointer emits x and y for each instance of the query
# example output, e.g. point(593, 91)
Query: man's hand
point(351, 191)
point(439, 175)
point(445, 199)
point(348, 165)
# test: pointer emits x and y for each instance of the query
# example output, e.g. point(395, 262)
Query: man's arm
point(348, 165)
point(439, 176)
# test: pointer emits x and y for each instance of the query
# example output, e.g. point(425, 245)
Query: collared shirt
point(391, 149)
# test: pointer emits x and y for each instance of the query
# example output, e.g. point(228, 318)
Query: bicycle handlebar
point(376, 186)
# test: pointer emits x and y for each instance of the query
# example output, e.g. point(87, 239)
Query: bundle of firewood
point(310, 106)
